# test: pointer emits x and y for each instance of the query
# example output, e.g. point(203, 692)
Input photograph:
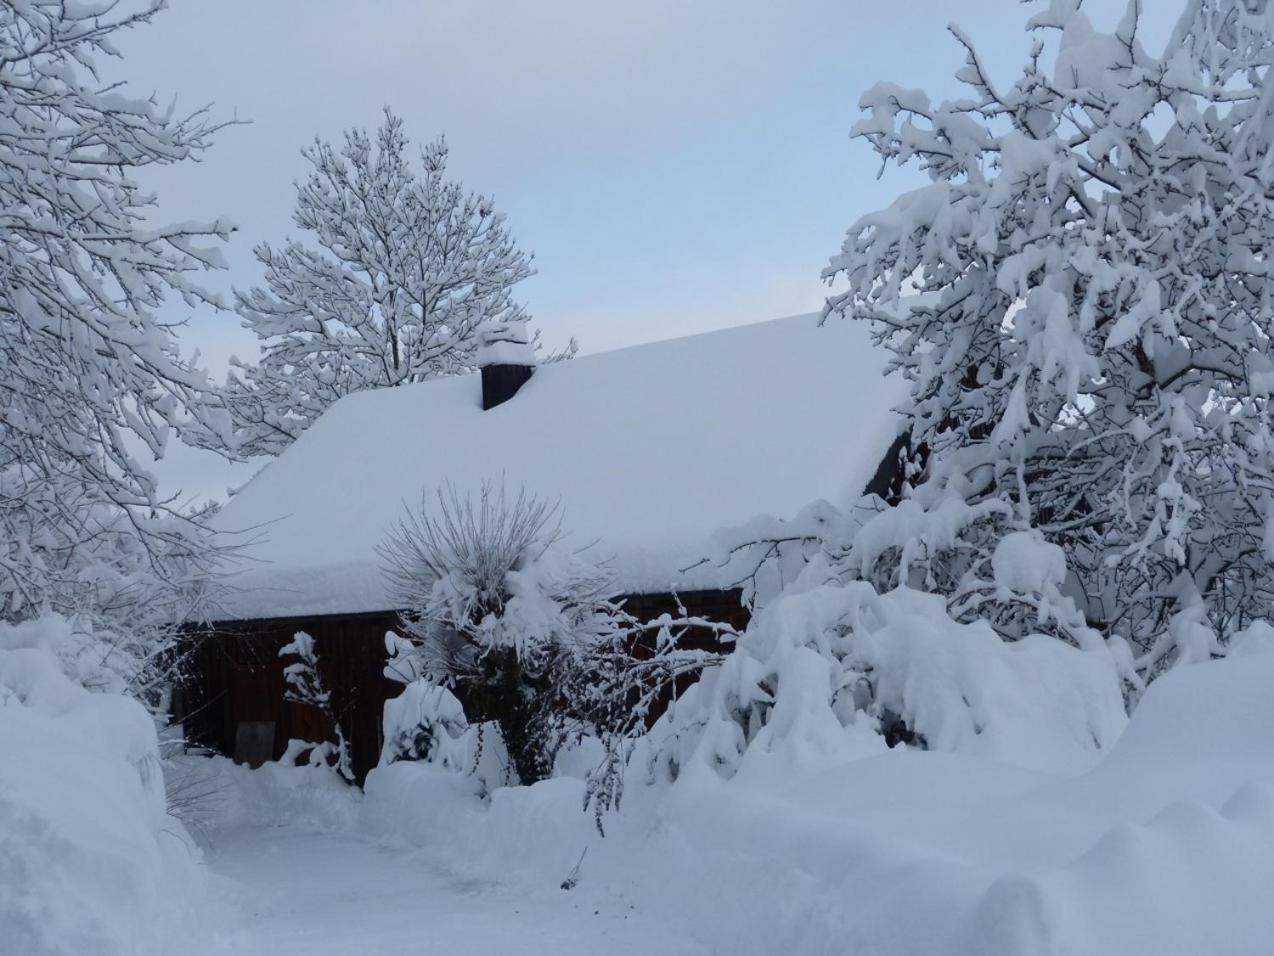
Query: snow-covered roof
point(649, 449)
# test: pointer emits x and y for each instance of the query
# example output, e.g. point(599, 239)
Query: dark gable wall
point(232, 701)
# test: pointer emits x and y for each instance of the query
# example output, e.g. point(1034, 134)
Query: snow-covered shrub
point(527, 635)
point(304, 685)
point(838, 671)
point(426, 722)
point(766, 554)
point(90, 861)
point(95, 662)
point(932, 623)
point(493, 608)
point(610, 689)
point(1089, 349)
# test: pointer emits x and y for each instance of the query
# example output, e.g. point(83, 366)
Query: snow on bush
point(426, 722)
point(1025, 563)
point(838, 672)
point(488, 613)
point(95, 662)
point(527, 634)
point(304, 685)
point(829, 670)
point(90, 860)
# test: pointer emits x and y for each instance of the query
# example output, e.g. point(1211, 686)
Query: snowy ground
point(286, 890)
point(1165, 846)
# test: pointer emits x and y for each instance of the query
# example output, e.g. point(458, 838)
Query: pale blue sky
point(675, 165)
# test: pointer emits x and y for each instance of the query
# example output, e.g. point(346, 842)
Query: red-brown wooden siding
point(236, 676)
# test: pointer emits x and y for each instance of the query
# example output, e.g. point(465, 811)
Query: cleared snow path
point(291, 891)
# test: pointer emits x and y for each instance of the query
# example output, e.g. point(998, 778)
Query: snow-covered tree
point(89, 368)
point(406, 265)
point(1090, 346)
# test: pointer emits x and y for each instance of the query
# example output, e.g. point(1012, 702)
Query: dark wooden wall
point(236, 675)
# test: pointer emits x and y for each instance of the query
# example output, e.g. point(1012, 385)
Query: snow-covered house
point(650, 450)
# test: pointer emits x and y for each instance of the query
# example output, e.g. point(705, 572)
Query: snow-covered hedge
point(90, 860)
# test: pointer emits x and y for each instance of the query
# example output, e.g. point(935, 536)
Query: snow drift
point(1165, 846)
point(90, 860)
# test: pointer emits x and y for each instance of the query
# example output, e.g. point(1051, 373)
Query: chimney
point(506, 358)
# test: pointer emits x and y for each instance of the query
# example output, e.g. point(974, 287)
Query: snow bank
point(532, 831)
point(1166, 846)
point(90, 861)
point(1175, 831)
point(224, 795)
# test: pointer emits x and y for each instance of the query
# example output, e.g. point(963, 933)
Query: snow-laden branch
point(89, 368)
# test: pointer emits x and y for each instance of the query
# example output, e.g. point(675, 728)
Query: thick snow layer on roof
point(650, 450)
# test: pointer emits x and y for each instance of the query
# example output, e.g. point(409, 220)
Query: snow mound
point(1185, 861)
point(90, 860)
point(1193, 879)
point(524, 830)
point(226, 795)
point(827, 675)
point(1216, 712)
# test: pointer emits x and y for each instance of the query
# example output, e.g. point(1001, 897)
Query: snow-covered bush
point(425, 722)
point(90, 861)
point(767, 554)
point(528, 636)
point(835, 672)
point(104, 655)
point(303, 683)
point(938, 627)
point(1090, 350)
point(493, 609)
